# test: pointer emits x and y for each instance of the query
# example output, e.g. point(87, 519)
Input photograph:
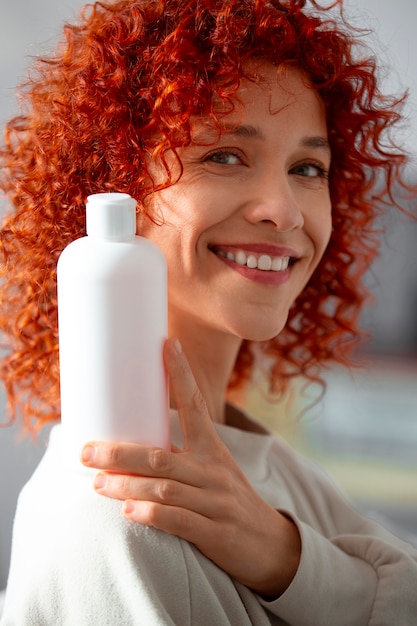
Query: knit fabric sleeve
point(352, 572)
point(77, 561)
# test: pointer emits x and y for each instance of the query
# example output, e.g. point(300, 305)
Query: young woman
point(255, 139)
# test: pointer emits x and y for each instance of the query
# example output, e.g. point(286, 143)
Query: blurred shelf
point(363, 433)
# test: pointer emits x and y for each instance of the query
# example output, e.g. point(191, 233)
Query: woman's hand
point(199, 493)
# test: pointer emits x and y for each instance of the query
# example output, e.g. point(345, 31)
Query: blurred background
point(364, 431)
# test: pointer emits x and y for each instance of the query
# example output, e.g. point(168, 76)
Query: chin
point(262, 337)
point(263, 332)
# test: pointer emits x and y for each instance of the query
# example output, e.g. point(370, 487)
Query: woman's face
point(250, 218)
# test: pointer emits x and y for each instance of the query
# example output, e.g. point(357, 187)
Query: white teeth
point(240, 258)
point(279, 264)
point(263, 262)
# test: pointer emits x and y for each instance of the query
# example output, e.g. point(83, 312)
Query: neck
point(211, 355)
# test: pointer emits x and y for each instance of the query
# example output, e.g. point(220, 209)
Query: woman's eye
point(224, 158)
point(310, 170)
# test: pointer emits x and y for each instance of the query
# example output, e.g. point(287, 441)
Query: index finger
point(139, 460)
point(126, 457)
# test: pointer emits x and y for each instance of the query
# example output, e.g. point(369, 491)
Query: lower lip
point(258, 276)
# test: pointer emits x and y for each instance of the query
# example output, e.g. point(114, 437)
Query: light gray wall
point(18, 458)
point(394, 40)
point(28, 26)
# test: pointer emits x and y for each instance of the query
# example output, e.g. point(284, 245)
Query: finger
point(163, 491)
point(117, 456)
point(174, 520)
point(139, 460)
point(192, 408)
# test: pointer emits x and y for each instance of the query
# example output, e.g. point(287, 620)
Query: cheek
point(326, 233)
point(175, 237)
point(320, 229)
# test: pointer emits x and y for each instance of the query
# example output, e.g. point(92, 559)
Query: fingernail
point(128, 507)
point(99, 481)
point(88, 454)
point(177, 346)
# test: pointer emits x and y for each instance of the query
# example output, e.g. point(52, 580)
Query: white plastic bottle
point(112, 320)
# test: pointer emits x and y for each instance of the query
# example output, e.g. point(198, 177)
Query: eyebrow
point(316, 142)
point(246, 131)
point(253, 132)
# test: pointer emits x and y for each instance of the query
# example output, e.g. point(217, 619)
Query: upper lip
point(257, 248)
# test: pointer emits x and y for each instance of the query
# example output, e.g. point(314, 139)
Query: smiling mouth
point(263, 262)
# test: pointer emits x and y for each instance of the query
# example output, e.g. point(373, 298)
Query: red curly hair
point(122, 89)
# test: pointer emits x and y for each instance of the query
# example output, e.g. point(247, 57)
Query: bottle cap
point(111, 216)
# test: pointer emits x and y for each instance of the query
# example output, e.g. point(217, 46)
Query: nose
point(272, 200)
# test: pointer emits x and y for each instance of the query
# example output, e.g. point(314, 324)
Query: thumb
point(195, 420)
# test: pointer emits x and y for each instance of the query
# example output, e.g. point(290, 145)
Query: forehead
point(265, 94)
point(283, 83)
